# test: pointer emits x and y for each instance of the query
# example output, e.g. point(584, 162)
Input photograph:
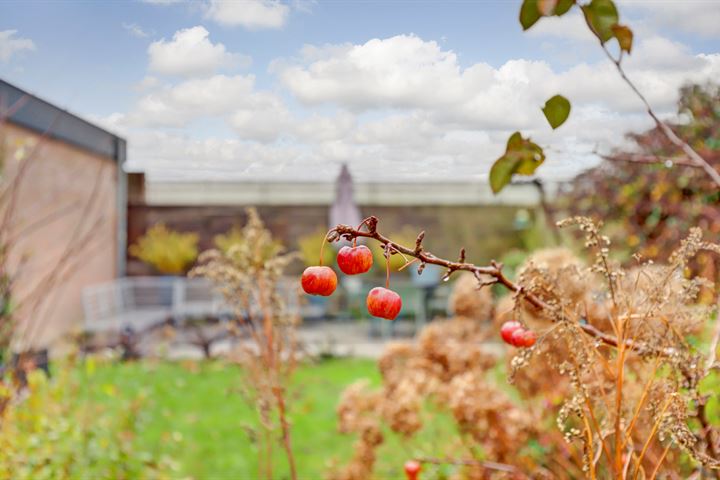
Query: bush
point(166, 250)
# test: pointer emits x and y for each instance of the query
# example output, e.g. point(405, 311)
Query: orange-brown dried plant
point(250, 276)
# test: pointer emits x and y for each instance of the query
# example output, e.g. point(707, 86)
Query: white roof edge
point(323, 193)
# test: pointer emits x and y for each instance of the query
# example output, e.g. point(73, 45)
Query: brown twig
point(494, 270)
point(651, 160)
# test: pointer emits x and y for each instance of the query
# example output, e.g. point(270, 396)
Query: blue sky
point(397, 89)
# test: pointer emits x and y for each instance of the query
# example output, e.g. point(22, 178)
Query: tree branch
point(662, 126)
point(651, 160)
point(494, 270)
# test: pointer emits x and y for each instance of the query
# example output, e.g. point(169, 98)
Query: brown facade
point(485, 231)
point(65, 230)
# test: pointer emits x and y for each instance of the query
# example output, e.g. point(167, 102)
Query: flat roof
point(278, 193)
point(45, 118)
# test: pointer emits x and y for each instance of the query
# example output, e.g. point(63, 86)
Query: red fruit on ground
point(319, 281)
point(354, 260)
point(507, 330)
point(412, 469)
point(528, 338)
point(384, 303)
point(518, 337)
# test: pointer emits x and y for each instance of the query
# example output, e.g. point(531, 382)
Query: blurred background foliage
point(309, 246)
point(167, 251)
point(54, 431)
point(646, 194)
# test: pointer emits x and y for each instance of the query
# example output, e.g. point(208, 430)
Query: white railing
point(139, 302)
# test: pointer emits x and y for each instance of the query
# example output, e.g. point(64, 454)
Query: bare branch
point(662, 126)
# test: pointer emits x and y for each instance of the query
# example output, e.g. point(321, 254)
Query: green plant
point(52, 432)
point(166, 250)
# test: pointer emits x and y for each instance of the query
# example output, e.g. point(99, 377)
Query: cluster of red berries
point(381, 302)
point(515, 334)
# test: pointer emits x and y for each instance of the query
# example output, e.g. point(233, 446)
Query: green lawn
point(194, 414)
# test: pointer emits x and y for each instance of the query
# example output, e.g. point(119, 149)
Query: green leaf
point(556, 110)
point(515, 142)
point(601, 16)
point(521, 157)
point(624, 37)
point(532, 10)
point(501, 173)
point(563, 6)
point(554, 7)
point(529, 13)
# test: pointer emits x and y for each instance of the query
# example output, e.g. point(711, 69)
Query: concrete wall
point(66, 195)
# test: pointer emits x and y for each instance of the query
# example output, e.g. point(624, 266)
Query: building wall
point(485, 231)
point(280, 193)
point(65, 220)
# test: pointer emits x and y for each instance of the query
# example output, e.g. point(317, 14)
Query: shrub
point(166, 250)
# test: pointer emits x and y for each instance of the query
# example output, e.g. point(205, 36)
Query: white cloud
point(147, 83)
point(178, 105)
point(135, 30)
point(696, 17)
point(401, 71)
point(402, 107)
point(405, 72)
point(251, 14)
point(571, 26)
point(11, 45)
point(190, 52)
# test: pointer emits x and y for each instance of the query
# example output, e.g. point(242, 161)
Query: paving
point(340, 338)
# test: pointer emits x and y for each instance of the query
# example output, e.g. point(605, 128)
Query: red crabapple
point(384, 303)
point(507, 330)
point(518, 338)
point(319, 281)
point(529, 338)
point(412, 469)
point(354, 260)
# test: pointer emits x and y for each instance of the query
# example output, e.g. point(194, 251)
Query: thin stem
point(285, 425)
point(643, 396)
point(322, 246)
point(619, 437)
point(650, 437)
point(660, 461)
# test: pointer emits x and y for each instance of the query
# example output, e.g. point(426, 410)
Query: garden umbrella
point(344, 209)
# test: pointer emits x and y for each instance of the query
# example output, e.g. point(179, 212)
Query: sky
point(399, 90)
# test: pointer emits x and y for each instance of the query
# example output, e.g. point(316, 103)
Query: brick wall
point(51, 210)
point(486, 232)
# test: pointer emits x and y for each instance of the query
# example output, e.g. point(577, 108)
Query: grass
point(194, 414)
